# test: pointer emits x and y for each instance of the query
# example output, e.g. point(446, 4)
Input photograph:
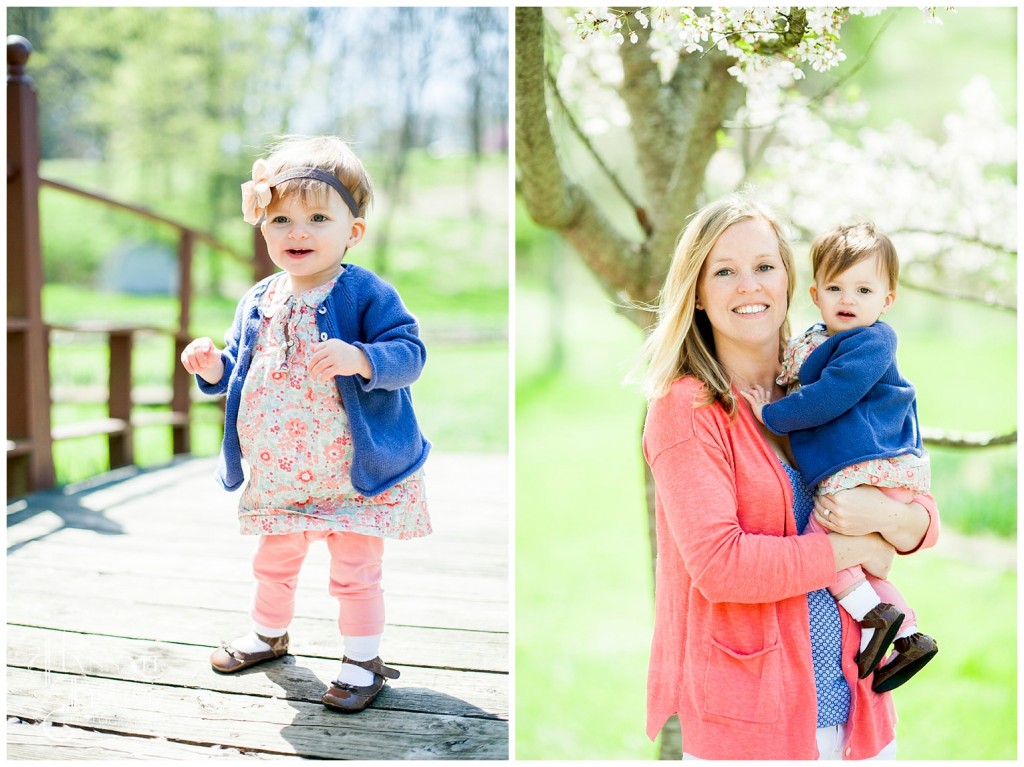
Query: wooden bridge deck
point(117, 594)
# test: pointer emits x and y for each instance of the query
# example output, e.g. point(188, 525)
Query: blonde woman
point(749, 648)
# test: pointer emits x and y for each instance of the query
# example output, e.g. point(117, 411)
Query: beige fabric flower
point(256, 193)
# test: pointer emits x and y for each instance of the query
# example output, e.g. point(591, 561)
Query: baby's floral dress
point(294, 435)
point(907, 470)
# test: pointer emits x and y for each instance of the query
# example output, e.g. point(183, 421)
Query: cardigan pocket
point(743, 686)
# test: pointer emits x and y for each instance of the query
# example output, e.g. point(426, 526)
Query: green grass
point(964, 704)
point(584, 573)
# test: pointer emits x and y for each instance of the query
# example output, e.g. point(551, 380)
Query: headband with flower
point(256, 194)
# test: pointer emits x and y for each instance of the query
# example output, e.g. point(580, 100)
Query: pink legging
point(355, 579)
point(851, 575)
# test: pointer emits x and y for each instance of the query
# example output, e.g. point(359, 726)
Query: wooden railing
point(30, 434)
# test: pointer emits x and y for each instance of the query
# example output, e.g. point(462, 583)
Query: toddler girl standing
point(853, 421)
point(317, 367)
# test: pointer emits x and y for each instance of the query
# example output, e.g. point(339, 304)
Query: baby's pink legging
point(355, 579)
point(851, 575)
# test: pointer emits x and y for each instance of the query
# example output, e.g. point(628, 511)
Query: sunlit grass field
point(584, 569)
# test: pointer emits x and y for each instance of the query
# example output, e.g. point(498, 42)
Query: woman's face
point(742, 287)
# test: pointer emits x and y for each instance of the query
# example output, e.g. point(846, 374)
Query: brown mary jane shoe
point(348, 698)
point(914, 652)
point(886, 620)
point(226, 659)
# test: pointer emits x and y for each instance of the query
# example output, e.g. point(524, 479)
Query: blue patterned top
point(826, 630)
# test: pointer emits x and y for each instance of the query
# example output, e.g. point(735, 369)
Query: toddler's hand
point(758, 398)
point(201, 357)
point(334, 357)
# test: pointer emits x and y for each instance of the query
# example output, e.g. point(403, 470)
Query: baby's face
point(855, 298)
point(308, 238)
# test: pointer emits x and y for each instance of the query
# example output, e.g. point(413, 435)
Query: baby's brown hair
point(837, 250)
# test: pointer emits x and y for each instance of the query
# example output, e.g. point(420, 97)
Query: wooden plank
point(301, 677)
point(153, 573)
point(16, 447)
point(452, 610)
point(401, 584)
point(240, 721)
point(112, 616)
point(231, 558)
point(41, 742)
point(89, 428)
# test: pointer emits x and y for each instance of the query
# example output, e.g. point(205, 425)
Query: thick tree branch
point(544, 188)
point(965, 238)
point(656, 121)
point(990, 301)
point(941, 438)
point(550, 198)
point(585, 140)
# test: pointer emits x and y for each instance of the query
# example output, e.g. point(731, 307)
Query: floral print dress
point(907, 470)
point(294, 435)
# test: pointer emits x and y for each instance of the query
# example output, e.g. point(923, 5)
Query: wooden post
point(181, 381)
point(119, 398)
point(29, 446)
point(262, 266)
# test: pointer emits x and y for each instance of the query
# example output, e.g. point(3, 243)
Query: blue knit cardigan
point(368, 313)
point(852, 405)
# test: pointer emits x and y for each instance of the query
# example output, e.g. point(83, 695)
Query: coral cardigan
point(731, 652)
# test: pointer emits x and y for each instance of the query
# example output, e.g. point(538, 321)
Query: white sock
point(250, 643)
point(859, 603)
point(904, 632)
point(268, 632)
point(359, 648)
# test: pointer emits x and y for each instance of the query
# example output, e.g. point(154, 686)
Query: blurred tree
point(176, 102)
point(417, 55)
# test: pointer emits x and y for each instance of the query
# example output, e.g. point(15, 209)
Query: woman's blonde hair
point(682, 343)
point(327, 153)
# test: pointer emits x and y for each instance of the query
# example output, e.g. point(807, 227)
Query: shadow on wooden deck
point(117, 593)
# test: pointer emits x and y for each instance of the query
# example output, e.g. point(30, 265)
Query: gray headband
point(319, 175)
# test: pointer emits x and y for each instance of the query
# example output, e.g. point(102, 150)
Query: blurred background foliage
point(585, 570)
point(167, 107)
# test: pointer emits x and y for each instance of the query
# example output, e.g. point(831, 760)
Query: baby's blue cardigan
point(852, 405)
point(368, 313)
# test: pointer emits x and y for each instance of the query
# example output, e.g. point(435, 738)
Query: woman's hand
point(879, 556)
point(857, 511)
point(201, 357)
point(864, 509)
point(334, 357)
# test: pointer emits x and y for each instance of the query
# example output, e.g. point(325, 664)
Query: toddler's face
point(308, 239)
point(855, 298)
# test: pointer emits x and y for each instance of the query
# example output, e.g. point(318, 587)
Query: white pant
point(831, 741)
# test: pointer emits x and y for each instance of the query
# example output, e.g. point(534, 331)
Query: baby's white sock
point(858, 603)
point(905, 631)
point(250, 643)
point(359, 648)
